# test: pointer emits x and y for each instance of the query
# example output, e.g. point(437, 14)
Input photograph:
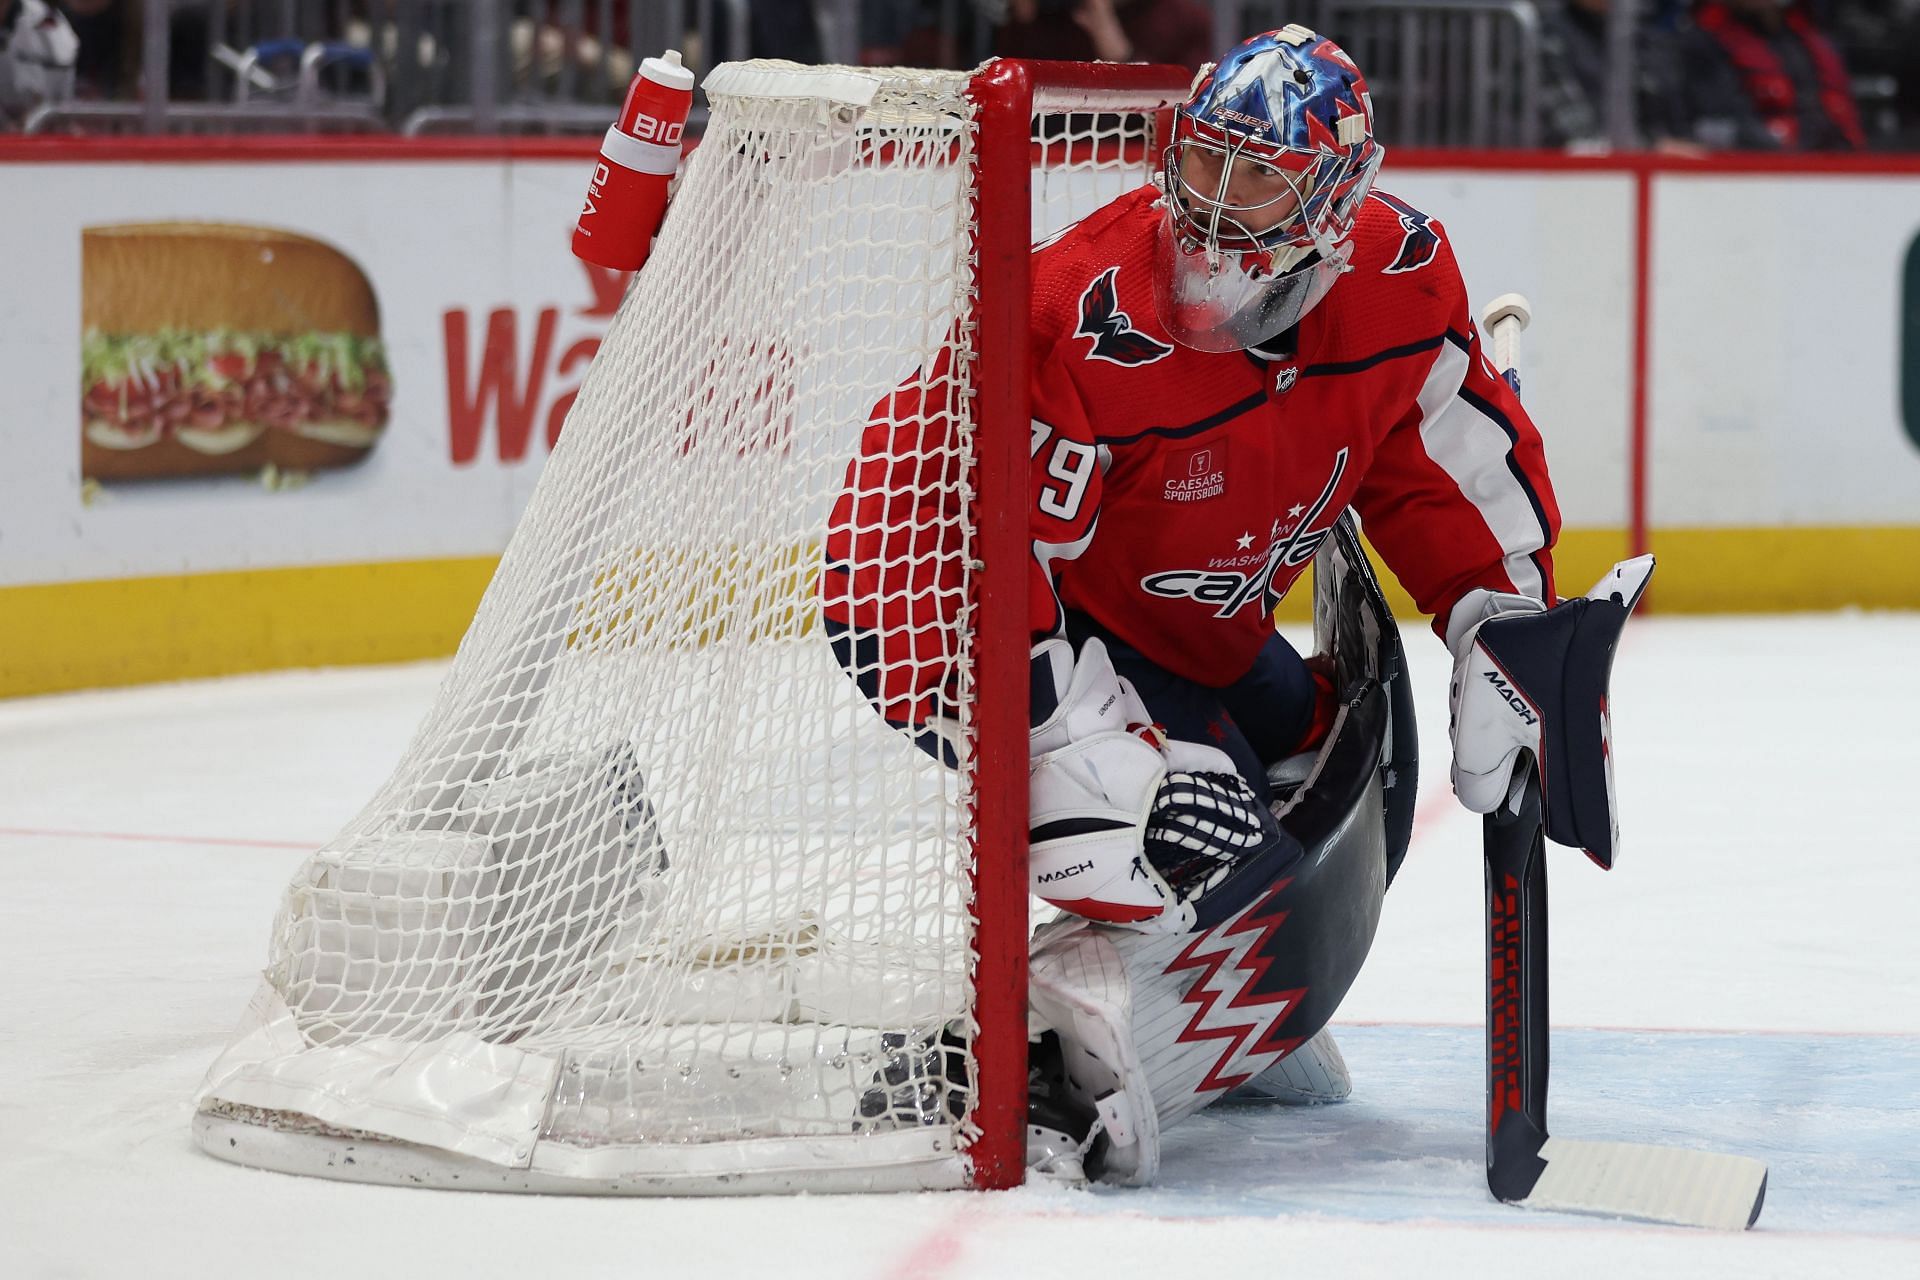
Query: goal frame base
point(907, 1161)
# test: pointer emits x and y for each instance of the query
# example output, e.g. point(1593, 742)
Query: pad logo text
point(1512, 695)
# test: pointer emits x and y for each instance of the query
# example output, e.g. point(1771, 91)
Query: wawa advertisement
point(211, 367)
point(223, 366)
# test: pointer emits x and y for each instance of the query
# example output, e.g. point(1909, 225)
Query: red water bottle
point(627, 196)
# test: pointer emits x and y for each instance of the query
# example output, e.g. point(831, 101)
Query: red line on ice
point(935, 1254)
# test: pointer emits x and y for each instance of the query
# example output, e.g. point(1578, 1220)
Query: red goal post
point(655, 902)
point(1009, 95)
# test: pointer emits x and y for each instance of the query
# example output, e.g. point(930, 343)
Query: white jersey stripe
point(1473, 449)
point(1047, 553)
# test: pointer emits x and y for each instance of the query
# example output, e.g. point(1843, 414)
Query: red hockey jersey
point(1176, 494)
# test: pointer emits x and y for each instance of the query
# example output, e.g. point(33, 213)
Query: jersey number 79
point(1069, 471)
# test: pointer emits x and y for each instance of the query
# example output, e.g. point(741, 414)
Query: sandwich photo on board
point(214, 349)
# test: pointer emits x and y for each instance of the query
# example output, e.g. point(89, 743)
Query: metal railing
point(1443, 72)
point(1446, 72)
point(561, 66)
point(413, 65)
point(244, 64)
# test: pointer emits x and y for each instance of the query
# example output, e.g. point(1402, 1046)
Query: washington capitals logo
point(1234, 999)
point(1295, 540)
point(1420, 242)
point(1115, 340)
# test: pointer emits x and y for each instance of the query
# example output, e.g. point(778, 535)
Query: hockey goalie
point(1223, 364)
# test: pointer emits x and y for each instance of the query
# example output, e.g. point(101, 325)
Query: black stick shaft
point(1516, 995)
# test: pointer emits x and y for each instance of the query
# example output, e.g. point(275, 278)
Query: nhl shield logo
point(1283, 379)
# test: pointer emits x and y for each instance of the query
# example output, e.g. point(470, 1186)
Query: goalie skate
point(1313, 1074)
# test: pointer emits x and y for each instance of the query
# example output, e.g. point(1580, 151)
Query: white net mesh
point(653, 873)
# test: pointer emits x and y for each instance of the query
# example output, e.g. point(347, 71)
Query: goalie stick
point(1525, 1166)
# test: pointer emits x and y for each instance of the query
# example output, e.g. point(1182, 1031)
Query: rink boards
point(1713, 382)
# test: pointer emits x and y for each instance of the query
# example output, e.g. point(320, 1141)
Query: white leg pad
point(1078, 986)
point(1154, 1027)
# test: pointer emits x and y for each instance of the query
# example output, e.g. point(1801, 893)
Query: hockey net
point(655, 901)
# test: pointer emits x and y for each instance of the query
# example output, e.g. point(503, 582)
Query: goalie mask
point(1271, 158)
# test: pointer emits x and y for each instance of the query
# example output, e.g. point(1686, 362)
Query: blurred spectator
point(1173, 31)
point(542, 47)
point(1764, 76)
point(37, 53)
point(926, 33)
point(1880, 41)
point(1573, 53)
point(783, 29)
point(109, 62)
point(775, 29)
point(111, 33)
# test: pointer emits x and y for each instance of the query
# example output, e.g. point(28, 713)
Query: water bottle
point(627, 196)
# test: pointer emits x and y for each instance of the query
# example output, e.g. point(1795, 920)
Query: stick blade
point(1654, 1184)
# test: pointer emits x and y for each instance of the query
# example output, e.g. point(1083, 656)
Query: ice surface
point(1748, 979)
